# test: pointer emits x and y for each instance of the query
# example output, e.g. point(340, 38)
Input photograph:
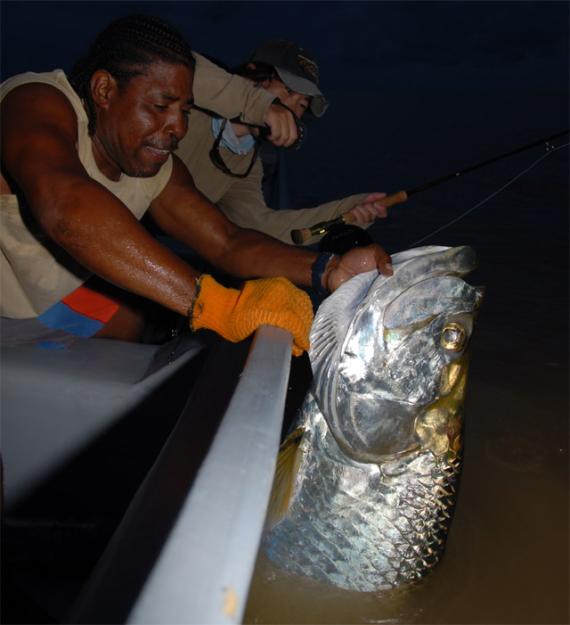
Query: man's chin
point(144, 172)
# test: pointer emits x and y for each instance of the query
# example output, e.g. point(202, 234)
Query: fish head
point(389, 355)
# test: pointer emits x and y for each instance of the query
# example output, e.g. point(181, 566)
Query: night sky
point(397, 44)
point(417, 89)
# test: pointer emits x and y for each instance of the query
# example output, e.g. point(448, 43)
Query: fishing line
point(550, 150)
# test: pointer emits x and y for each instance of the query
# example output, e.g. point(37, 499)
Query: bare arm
point(182, 211)
point(39, 132)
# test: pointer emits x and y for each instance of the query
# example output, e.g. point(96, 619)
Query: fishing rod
point(321, 228)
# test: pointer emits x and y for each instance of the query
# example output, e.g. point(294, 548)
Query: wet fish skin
point(364, 495)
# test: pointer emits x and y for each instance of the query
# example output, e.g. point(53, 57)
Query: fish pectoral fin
point(284, 479)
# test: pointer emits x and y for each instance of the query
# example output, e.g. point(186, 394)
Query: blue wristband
point(317, 271)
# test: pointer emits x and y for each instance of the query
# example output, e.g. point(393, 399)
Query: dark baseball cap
point(296, 67)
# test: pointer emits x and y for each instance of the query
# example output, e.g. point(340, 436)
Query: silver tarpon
point(366, 483)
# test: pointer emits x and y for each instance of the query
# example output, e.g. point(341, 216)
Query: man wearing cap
point(222, 155)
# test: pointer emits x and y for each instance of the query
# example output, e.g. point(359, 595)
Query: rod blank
point(303, 235)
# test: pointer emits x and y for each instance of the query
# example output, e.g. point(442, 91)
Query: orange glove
point(236, 314)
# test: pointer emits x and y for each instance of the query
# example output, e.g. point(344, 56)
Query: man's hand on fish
point(370, 209)
point(355, 261)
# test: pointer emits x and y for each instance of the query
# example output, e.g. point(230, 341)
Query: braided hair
point(124, 48)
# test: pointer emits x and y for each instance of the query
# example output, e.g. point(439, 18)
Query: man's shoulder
point(46, 97)
point(56, 78)
point(40, 85)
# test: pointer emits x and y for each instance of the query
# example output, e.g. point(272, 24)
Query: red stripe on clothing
point(91, 304)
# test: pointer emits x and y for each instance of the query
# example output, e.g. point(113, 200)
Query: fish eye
point(453, 337)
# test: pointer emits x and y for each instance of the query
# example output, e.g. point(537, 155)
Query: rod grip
point(304, 234)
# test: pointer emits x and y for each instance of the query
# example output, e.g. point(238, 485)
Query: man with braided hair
point(83, 159)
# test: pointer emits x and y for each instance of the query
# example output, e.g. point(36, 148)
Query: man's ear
point(103, 87)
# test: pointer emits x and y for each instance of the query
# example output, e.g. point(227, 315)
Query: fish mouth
point(439, 426)
point(409, 429)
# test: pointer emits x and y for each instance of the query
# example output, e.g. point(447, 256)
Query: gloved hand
point(235, 314)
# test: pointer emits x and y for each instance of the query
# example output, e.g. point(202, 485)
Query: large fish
point(366, 483)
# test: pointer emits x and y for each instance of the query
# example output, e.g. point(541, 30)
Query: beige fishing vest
point(35, 273)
